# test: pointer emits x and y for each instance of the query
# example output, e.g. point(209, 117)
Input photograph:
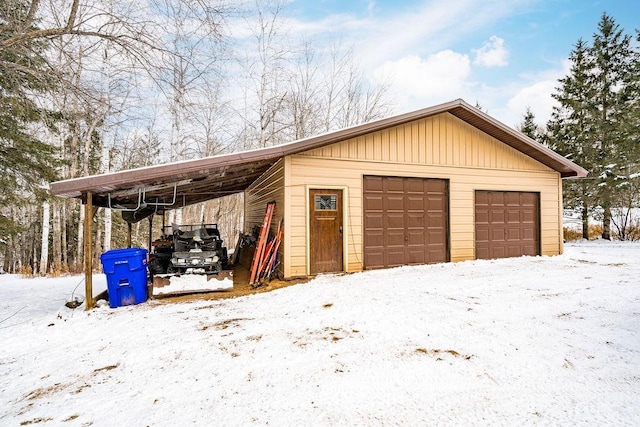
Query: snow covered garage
point(446, 183)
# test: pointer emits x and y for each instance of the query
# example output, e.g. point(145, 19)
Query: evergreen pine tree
point(569, 131)
point(612, 64)
point(628, 178)
point(529, 127)
point(596, 121)
point(26, 162)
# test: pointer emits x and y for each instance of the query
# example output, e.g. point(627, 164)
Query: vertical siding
point(442, 139)
point(440, 146)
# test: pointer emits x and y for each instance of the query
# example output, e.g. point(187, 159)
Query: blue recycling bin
point(126, 271)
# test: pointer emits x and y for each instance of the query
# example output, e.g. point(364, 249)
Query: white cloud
point(537, 94)
point(418, 83)
point(492, 53)
point(419, 28)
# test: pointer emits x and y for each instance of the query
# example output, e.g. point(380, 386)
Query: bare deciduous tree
point(264, 63)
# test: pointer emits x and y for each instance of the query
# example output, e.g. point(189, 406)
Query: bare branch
point(33, 8)
point(72, 15)
point(27, 35)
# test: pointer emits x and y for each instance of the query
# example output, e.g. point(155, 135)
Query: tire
point(156, 267)
point(224, 259)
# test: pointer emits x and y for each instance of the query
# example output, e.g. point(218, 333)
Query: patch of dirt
point(437, 352)
point(224, 324)
point(36, 421)
point(106, 368)
point(550, 295)
point(82, 387)
point(241, 287)
point(325, 334)
point(46, 391)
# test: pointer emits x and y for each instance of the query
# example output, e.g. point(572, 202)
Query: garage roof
point(182, 183)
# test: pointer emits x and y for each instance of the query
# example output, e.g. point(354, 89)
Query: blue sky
point(504, 54)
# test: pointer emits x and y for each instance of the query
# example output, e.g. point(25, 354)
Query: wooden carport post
point(89, 213)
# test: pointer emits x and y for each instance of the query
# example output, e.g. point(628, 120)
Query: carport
point(141, 193)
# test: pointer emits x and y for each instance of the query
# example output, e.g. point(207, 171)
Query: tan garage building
point(446, 183)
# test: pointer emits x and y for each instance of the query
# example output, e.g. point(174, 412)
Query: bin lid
point(124, 253)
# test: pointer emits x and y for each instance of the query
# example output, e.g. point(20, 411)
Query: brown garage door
point(507, 224)
point(405, 221)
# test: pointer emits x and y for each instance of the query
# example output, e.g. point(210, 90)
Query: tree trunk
point(606, 223)
point(585, 222)
point(106, 167)
point(34, 267)
point(108, 221)
point(97, 244)
point(71, 224)
point(57, 239)
point(203, 207)
point(136, 236)
point(6, 264)
point(44, 252)
point(17, 268)
point(63, 238)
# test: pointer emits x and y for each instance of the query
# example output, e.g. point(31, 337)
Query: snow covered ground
point(536, 340)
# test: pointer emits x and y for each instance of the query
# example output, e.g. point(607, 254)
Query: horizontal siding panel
point(269, 187)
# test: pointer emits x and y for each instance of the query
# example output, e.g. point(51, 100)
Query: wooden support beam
point(88, 252)
point(128, 234)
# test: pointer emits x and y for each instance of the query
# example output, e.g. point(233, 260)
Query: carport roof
point(193, 181)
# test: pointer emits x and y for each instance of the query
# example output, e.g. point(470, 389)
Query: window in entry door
point(326, 202)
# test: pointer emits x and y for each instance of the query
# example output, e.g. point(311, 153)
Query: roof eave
point(75, 187)
point(519, 141)
point(138, 178)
